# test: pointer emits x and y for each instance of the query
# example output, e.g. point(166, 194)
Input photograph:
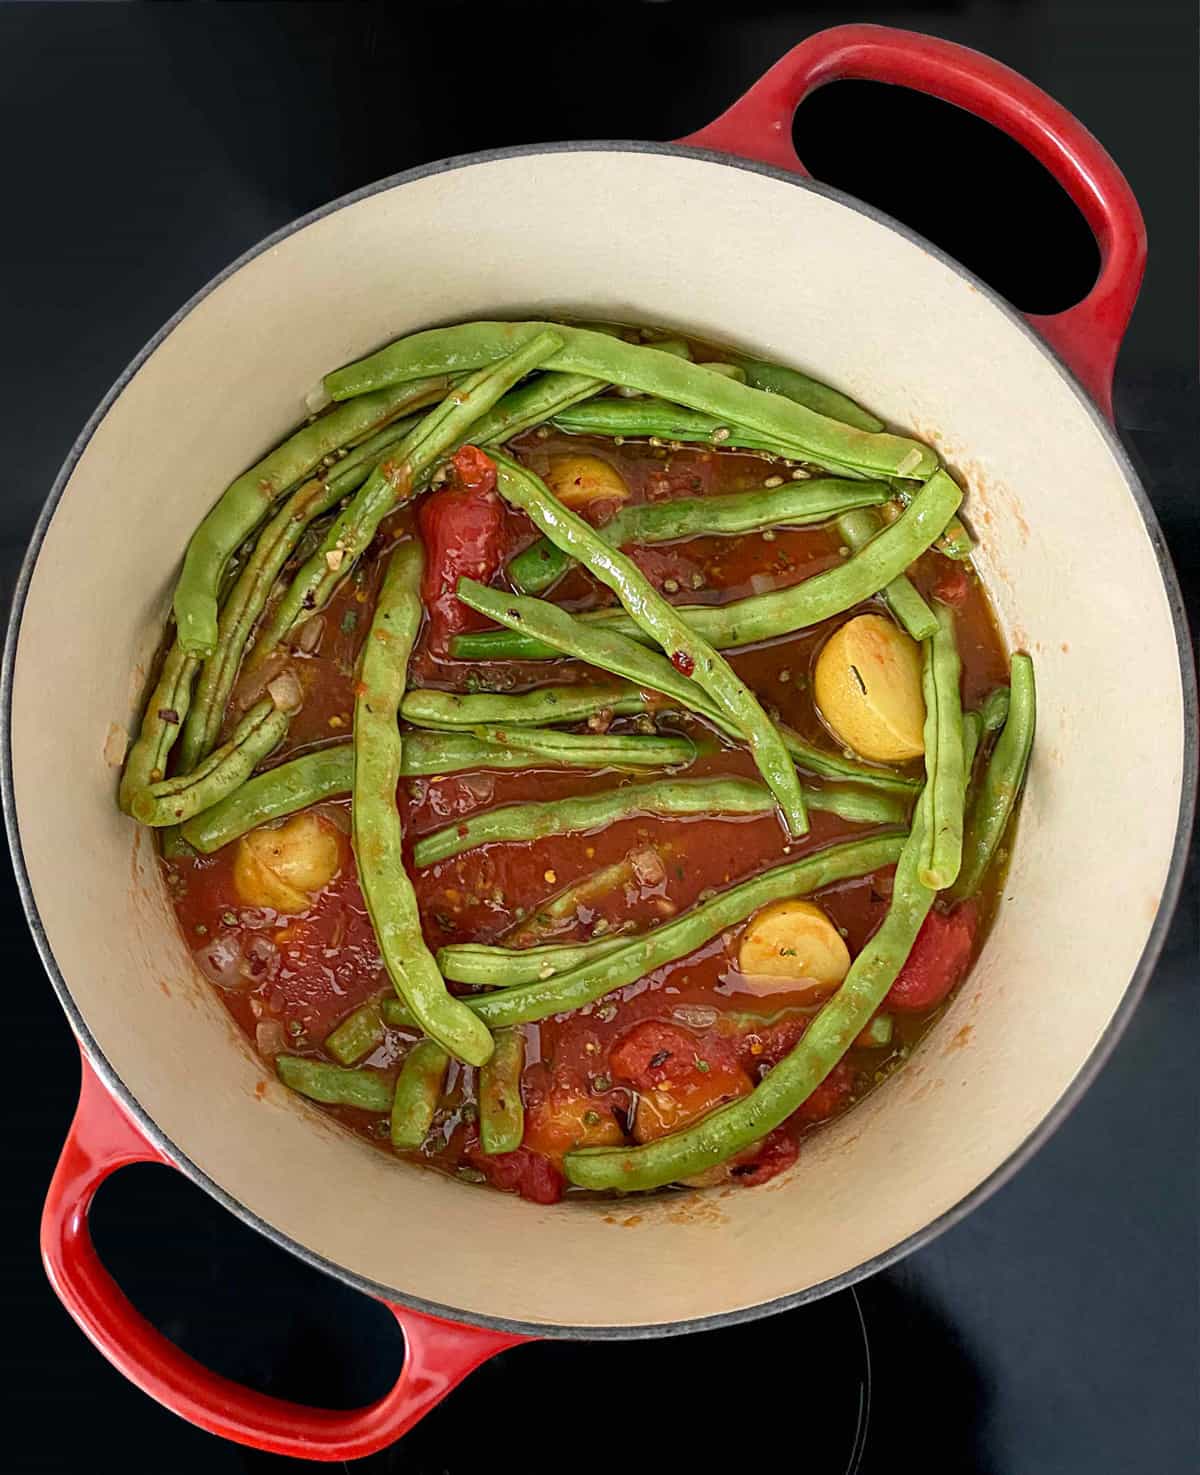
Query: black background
point(1055, 1330)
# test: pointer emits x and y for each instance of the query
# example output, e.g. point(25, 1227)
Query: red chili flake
point(683, 662)
point(463, 832)
point(659, 1058)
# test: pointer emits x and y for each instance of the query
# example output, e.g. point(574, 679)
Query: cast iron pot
point(744, 249)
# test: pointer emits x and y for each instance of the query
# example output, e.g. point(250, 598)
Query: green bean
point(1002, 780)
point(490, 966)
point(805, 391)
point(395, 480)
point(945, 780)
point(727, 371)
point(582, 700)
point(635, 366)
point(588, 749)
point(501, 1111)
point(146, 762)
point(765, 616)
point(376, 833)
point(650, 418)
point(995, 709)
point(676, 939)
point(533, 404)
point(538, 819)
point(956, 542)
point(795, 504)
point(730, 1129)
point(674, 346)
point(358, 1034)
point(419, 1089)
point(564, 907)
point(243, 505)
point(426, 707)
point(690, 654)
point(173, 801)
point(972, 732)
point(902, 596)
point(334, 1084)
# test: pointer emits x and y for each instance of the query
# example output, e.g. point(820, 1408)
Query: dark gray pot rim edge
point(944, 1221)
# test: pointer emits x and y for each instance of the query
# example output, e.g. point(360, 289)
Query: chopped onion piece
point(270, 1037)
point(286, 692)
point(221, 961)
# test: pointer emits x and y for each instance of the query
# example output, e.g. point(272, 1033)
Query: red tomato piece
point(654, 1054)
point(830, 1096)
point(768, 1044)
point(951, 585)
point(528, 1173)
point(938, 960)
point(463, 529)
point(777, 1151)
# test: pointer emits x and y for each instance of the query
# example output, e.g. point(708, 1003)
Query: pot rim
point(1001, 1174)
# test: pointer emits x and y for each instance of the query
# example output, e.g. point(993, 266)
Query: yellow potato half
point(281, 868)
point(867, 685)
point(579, 480)
point(794, 941)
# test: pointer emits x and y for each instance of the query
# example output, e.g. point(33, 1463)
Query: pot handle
point(1087, 336)
point(438, 1354)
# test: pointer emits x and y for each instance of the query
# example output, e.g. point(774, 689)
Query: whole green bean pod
point(765, 616)
point(676, 939)
point(588, 749)
point(292, 786)
point(945, 781)
point(357, 1035)
point(244, 504)
point(175, 800)
point(972, 732)
point(386, 888)
point(636, 366)
point(730, 1129)
point(334, 1084)
point(419, 1088)
point(166, 708)
point(690, 654)
point(795, 504)
point(532, 404)
point(426, 707)
point(777, 379)
point(501, 1111)
point(583, 700)
point(395, 480)
point(538, 819)
point(492, 966)
point(1002, 780)
point(902, 596)
point(650, 418)
point(563, 908)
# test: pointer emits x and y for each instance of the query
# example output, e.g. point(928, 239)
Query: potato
point(282, 867)
point(578, 481)
point(794, 941)
point(867, 687)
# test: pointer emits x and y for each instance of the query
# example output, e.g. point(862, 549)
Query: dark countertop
point(1055, 1330)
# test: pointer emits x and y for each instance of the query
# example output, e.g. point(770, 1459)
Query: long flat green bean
point(419, 1089)
point(247, 500)
point(689, 653)
point(777, 379)
point(730, 1129)
point(765, 616)
point(795, 504)
point(945, 782)
point(676, 939)
point(532, 404)
point(492, 966)
point(658, 419)
point(166, 708)
point(588, 749)
point(902, 596)
point(174, 801)
point(501, 1111)
point(334, 1084)
point(395, 480)
point(387, 890)
point(636, 366)
point(1002, 780)
point(426, 707)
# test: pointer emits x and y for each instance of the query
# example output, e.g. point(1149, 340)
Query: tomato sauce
point(288, 980)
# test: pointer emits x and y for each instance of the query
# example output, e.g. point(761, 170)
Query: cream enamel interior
point(739, 257)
